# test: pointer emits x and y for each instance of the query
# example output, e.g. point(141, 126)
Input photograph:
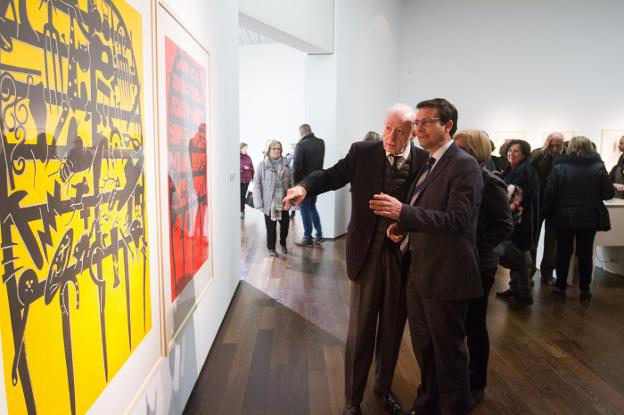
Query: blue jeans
point(310, 217)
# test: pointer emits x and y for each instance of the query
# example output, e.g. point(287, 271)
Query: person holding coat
point(573, 201)
point(273, 178)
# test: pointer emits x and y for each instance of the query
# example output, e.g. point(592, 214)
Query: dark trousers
point(243, 189)
point(376, 323)
point(271, 227)
point(437, 331)
point(547, 266)
point(477, 336)
point(310, 218)
point(584, 253)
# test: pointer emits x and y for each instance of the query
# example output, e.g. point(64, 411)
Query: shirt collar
point(406, 152)
point(440, 152)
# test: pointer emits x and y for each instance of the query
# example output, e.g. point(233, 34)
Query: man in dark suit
point(309, 155)
point(377, 310)
point(436, 228)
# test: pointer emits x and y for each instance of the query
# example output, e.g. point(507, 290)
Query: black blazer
point(442, 224)
point(363, 167)
point(309, 156)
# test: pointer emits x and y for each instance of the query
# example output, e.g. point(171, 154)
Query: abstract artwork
point(75, 293)
point(187, 161)
point(184, 131)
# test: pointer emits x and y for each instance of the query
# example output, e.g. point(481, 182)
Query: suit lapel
point(377, 167)
point(439, 167)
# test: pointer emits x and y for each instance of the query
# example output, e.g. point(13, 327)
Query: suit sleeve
point(550, 193)
point(463, 194)
point(333, 178)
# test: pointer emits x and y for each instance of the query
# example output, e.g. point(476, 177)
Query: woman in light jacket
point(573, 203)
point(273, 178)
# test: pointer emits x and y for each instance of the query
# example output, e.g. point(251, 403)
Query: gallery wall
point(530, 66)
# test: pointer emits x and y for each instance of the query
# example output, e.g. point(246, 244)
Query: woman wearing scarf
point(273, 178)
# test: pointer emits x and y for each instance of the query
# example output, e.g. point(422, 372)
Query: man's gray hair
point(305, 129)
point(406, 112)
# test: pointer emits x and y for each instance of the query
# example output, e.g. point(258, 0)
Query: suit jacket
point(442, 226)
point(363, 167)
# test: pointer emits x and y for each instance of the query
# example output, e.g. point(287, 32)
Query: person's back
point(309, 155)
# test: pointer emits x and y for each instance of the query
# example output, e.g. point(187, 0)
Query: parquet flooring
point(280, 347)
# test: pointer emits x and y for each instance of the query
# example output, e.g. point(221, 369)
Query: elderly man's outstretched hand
point(294, 195)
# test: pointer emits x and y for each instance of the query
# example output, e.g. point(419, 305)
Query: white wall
point(271, 95)
point(527, 66)
point(215, 22)
point(360, 81)
point(305, 25)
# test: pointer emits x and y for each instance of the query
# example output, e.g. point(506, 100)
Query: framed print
point(609, 151)
point(183, 126)
point(75, 292)
point(567, 134)
point(501, 136)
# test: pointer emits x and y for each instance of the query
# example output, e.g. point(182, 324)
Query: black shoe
point(272, 252)
point(284, 249)
point(585, 296)
point(352, 410)
point(392, 405)
point(518, 303)
point(558, 293)
point(319, 240)
point(476, 396)
point(547, 279)
point(506, 295)
point(305, 242)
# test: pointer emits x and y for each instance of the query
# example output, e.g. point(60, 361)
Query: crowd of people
point(430, 223)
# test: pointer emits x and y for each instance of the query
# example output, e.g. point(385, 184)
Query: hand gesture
point(294, 195)
point(394, 234)
point(386, 205)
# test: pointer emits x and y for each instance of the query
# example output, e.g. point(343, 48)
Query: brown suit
point(377, 292)
point(443, 276)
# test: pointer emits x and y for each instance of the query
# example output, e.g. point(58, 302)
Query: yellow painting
point(74, 298)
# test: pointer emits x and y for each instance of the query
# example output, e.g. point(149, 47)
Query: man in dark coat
point(542, 161)
point(617, 172)
point(440, 221)
point(309, 155)
point(377, 309)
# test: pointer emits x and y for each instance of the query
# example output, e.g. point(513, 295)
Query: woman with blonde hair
point(573, 203)
point(494, 225)
point(273, 178)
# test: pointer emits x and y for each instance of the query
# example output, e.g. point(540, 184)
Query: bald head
point(554, 143)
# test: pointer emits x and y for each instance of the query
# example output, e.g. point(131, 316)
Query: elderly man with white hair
point(377, 311)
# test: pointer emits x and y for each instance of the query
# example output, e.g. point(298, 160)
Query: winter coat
point(266, 181)
point(525, 177)
point(574, 193)
point(309, 155)
point(246, 174)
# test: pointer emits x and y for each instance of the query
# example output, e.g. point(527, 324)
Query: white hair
point(406, 112)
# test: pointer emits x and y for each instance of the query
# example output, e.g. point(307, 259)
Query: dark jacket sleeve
point(606, 184)
point(298, 162)
point(465, 191)
point(333, 178)
point(496, 205)
point(550, 193)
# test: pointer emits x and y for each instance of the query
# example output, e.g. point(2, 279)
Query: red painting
point(187, 165)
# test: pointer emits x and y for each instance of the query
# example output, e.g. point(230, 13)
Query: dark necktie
point(419, 186)
point(396, 159)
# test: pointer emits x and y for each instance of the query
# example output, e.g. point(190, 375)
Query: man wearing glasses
point(436, 228)
point(377, 309)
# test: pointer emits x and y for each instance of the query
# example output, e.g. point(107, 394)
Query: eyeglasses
point(425, 122)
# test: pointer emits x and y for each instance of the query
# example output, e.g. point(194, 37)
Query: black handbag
point(249, 199)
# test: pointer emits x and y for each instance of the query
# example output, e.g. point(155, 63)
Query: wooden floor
point(280, 348)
